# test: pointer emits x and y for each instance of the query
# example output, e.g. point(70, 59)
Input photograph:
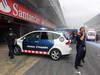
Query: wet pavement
point(43, 65)
point(65, 66)
point(16, 66)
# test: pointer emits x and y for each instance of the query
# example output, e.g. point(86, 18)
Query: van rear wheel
point(55, 54)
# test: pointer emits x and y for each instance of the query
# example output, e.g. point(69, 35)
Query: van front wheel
point(17, 50)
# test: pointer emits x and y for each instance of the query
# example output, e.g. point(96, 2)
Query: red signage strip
point(15, 9)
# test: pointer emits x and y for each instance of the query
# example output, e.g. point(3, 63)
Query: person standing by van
point(10, 41)
point(80, 47)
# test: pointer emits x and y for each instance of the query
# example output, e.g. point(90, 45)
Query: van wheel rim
point(55, 55)
point(16, 50)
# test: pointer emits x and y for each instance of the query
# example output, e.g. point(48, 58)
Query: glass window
point(44, 36)
point(33, 36)
point(91, 34)
point(55, 36)
point(66, 35)
point(50, 36)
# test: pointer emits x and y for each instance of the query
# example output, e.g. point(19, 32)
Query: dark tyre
point(55, 54)
point(17, 50)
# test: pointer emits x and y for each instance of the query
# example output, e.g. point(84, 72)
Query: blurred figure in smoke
point(11, 42)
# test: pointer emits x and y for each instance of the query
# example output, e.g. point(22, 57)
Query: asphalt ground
point(16, 66)
point(44, 65)
point(65, 66)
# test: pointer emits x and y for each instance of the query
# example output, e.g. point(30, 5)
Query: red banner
point(15, 9)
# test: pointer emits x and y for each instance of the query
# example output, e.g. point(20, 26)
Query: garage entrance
point(4, 29)
point(20, 27)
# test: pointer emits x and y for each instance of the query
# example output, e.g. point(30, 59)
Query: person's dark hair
point(81, 28)
point(10, 29)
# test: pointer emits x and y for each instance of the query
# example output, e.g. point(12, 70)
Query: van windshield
point(66, 35)
point(91, 33)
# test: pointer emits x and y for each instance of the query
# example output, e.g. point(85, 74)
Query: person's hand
point(83, 33)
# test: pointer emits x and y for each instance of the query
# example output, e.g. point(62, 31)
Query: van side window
point(33, 36)
point(52, 36)
point(44, 36)
point(55, 36)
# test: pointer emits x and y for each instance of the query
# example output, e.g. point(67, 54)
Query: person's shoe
point(80, 65)
point(76, 67)
point(11, 57)
point(78, 72)
point(83, 61)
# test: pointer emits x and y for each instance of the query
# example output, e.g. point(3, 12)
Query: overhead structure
point(24, 16)
point(94, 22)
point(49, 9)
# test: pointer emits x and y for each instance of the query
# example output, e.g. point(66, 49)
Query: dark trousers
point(79, 55)
point(11, 50)
point(84, 53)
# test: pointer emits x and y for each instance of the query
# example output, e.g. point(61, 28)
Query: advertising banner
point(15, 9)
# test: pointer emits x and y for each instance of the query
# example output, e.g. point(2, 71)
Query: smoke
point(77, 12)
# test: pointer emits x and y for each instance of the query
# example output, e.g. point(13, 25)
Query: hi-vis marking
point(34, 52)
point(5, 7)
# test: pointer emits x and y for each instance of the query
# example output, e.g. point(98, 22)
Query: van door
point(31, 41)
point(45, 43)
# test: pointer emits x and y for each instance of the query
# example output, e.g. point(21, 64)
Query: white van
point(45, 43)
point(91, 35)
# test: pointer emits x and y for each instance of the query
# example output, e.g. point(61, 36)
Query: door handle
point(36, 41)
